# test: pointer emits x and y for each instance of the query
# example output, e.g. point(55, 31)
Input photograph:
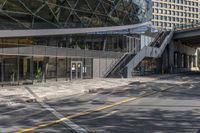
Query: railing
point(51, 51)
point(148, 51)
point(187, 26)
point(112, 65)
point(155, 39)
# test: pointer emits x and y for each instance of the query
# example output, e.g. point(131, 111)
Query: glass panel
point(38, 71)
point(51, 70)
point(79, 70)
point(87, 68)
point(73, 71)
point(24, 68)
point(61, 67)
point(10, 68)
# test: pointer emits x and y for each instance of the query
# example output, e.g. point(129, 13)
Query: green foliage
point(38, 75)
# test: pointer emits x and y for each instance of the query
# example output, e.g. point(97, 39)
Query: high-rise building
point(169, 13)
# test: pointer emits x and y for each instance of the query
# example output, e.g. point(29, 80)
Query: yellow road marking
point(75, 116)
point(86, 112)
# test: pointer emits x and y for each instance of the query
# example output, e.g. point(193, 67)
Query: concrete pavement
point(173, 110)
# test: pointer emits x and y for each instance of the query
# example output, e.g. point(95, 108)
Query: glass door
point(76, 70)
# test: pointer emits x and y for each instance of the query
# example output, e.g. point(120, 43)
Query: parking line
point(89, 112)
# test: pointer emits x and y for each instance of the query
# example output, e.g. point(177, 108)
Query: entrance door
point(76, 70)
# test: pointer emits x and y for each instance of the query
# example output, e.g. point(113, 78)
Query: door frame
point(76, 62)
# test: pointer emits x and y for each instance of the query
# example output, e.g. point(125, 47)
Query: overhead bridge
point(54, 32)
point(188, 32)
point(189, 36)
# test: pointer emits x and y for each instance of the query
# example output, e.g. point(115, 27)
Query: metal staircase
point(117, 70)
point(154, 50)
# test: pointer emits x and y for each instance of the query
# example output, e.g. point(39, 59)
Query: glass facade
point(32, 59)
point(74, 56)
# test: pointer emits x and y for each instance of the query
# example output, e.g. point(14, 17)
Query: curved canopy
point(47, 32)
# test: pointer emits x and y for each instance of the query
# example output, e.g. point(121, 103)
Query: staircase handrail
point(112, 65)
point(148, 51)
point(156, 38)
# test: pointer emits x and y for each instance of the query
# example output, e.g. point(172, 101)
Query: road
point(161, 106)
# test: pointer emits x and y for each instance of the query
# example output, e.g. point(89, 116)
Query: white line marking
point(68, 123)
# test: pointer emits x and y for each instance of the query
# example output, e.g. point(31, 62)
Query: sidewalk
point(14, 95)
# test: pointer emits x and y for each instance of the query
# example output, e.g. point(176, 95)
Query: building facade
point(44, 40)
point(170, 13)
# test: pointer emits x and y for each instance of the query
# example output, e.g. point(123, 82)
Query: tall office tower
point(169, 13)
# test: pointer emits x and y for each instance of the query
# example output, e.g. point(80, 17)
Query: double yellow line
point(85, 113)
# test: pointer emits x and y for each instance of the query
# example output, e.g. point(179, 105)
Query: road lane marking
point(89, 111)
point(75, 116)
point(59, 116)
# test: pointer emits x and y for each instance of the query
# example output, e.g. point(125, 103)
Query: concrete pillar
point(45, 68)
point(171, 54)
point(188, 62)
point(56, 68)
point(2, 70)
point(196, 59)
point(104, 43)
point(192, 61)
point(129, 72)
point(18, 69)
point(31, 69)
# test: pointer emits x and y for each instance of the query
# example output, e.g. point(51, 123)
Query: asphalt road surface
point(170, 105)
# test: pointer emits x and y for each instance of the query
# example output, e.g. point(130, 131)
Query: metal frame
point(87, 13)
point(77, 62)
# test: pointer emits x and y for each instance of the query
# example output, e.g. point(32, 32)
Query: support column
point(2, 70)
point(18, 69)
point(56, 68)
point(192, 61)
point(45, 68)
point(195, 61)
point(31, 69)
point(66, 68)
point(18, 65)
point(104, 43)
point(188, 61)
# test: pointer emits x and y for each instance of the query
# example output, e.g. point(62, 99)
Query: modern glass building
point(44, 40)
